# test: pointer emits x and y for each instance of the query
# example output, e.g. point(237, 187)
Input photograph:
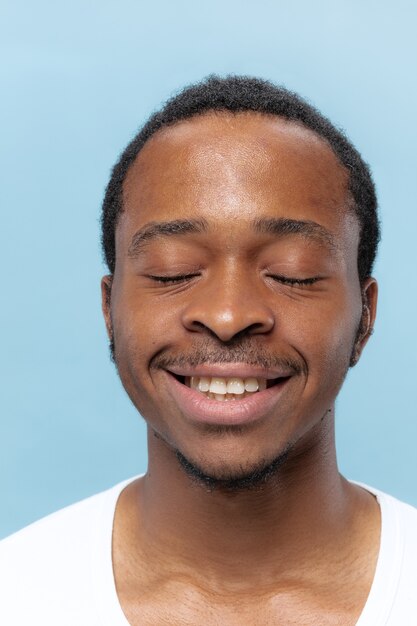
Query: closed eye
point(294, 282)
point(286, 280)
point(179, 278)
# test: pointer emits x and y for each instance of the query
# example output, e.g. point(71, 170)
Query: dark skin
point(302, 549)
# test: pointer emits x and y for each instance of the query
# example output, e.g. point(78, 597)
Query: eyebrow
point(279, 226)
point(153, 230)
point(308, 229)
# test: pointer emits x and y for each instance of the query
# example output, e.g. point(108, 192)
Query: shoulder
point(404, 517)
point(397, 515)
point(399, 532)
point(46, 567)
point(47, 535)
point(397, 566)
point(405, 514)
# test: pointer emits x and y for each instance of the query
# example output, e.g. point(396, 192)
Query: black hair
point(237, 94)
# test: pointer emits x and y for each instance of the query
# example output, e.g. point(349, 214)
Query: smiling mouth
point(225, 389)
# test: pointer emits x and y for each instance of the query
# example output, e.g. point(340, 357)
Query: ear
point(106, 284)
point(366, 327)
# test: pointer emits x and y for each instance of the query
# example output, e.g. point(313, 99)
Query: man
point(240, 231)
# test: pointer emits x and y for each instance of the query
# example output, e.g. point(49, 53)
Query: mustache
point(251, 355)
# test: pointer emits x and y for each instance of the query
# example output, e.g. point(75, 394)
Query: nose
point(227, 308)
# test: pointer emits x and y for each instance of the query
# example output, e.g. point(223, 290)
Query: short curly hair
point(237, 94)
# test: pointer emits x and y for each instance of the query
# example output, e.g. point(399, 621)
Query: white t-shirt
point(58, 571)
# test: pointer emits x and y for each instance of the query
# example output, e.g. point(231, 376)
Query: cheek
point(325, 338)
point(141, 327)
point(135, 340)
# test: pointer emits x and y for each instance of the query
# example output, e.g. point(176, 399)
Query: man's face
point(257, 278)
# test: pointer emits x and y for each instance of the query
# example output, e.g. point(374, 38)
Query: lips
point(226, 370)
point(197, 407)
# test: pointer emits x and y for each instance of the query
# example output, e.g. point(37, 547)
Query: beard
point(266, 471)
point(238, 480)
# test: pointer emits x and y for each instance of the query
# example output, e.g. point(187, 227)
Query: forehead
point(232, 168)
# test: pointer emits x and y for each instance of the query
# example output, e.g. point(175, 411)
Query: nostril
point(227, 324)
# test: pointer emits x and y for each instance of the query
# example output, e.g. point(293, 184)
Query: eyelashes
point(286, 280)
point(173, 279)
point(294, 281)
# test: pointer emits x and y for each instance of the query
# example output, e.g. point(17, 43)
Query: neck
point(301, 511)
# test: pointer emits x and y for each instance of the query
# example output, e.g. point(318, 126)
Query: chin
point(233, 477)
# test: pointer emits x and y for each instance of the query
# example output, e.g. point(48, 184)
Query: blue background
point(77, 79)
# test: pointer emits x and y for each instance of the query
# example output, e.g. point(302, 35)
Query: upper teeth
point(234, 385)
